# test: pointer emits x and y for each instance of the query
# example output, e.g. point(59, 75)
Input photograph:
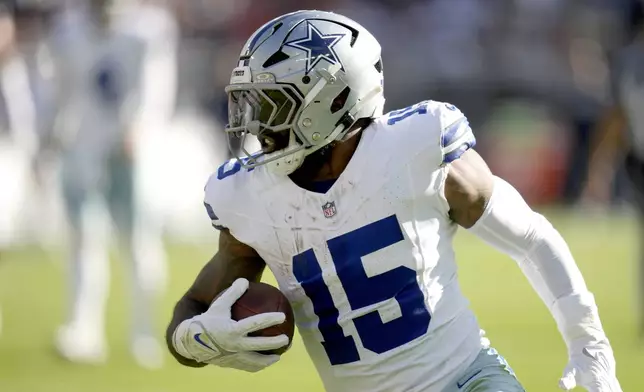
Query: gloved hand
point(591, 366)
point(592, 363)
point(215, 338)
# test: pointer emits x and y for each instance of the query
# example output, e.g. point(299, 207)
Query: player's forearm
point(185, 309)
point(233, 260)
point(511, 226)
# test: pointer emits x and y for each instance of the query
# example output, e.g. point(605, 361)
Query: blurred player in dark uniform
point(622, 133)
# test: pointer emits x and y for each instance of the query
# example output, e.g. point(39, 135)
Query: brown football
point(264, 298)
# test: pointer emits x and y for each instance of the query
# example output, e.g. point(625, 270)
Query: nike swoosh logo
point(462, 384)
point(197, 337)
point(588, 354)
point(598, 356)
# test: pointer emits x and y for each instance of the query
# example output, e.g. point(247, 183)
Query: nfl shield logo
point(329, 209)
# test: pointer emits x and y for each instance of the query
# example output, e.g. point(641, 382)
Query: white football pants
point(93, 192)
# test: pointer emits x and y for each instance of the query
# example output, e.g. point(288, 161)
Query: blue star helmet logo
point(318, 47)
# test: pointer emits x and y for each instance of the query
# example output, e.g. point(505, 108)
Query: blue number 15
point(362, 290)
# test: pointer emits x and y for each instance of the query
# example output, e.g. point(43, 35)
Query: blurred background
point(111, 120)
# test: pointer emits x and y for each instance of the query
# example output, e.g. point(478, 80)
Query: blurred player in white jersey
point(152, 22)
point(100, 72)
point(354, 213)
point(23, 120)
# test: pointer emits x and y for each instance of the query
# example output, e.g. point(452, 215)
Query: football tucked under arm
point(494, 211)
point(233, 260)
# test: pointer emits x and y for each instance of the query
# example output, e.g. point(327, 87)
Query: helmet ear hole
point(378, 66)
point(340, 100)
point(275, 58)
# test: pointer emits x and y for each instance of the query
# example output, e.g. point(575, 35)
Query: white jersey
point(368, 266)
point(99, 76)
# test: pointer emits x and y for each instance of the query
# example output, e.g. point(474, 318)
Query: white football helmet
point(303, 80)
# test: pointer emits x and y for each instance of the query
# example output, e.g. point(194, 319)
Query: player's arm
point(202, 332)
point(233, 260)
point(494, 211)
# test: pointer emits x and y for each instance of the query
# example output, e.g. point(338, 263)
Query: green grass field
point(32, 292)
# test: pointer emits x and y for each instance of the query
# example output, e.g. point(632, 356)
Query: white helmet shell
point(302, 81)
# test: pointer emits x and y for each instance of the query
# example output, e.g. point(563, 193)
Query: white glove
point(591, 366)
point(592, 363)
point(215, 338)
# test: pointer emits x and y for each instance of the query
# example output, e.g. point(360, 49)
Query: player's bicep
point(233, 260)
point(468, 188)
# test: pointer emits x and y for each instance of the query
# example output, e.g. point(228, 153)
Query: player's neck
point(341, 154)
point(329, 165)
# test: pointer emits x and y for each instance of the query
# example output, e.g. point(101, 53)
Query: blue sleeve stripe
point(214, 219)
point(460, 150)
point(455, 131)
point(210, 212)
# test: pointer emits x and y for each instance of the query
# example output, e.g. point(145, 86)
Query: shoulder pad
point(437, 122)
point(210, 199)
point(220, 191)
point(456, 134)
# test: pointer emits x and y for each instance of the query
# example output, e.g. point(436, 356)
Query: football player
point(354, 212)
point(99, 70)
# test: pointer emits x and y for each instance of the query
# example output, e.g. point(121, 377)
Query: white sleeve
point(456, 134)
point(156, 27)
point(511, 226)
point(209, 200)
